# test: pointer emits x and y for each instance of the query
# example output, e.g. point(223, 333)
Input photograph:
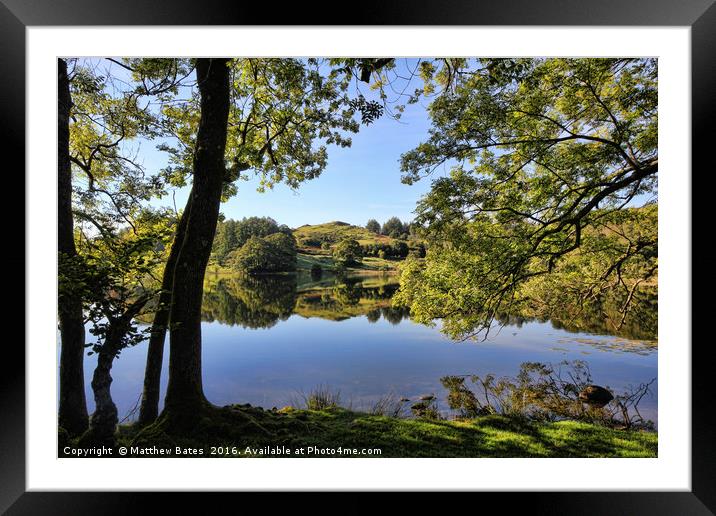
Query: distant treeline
point(393, 227)
point(397, 249)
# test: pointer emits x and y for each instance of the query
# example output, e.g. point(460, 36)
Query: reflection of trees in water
point(394, 315)
point(348, 294)
point(251, 302)
point(261, 301)
point(373, 315)
point(603, 315)
point(348, 297)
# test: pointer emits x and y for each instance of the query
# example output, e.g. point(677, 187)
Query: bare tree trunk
point(103, 422)
point(185, 396)
point(73, 405)
point(149, 409)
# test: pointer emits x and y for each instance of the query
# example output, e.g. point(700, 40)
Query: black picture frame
point(700, 15)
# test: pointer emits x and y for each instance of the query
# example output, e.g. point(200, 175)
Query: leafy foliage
point(284, 113)
point(274, 253)
point(394, 227)
point(544, 152)
point(116, 276)
point(348, 252)
point(232, 234)
point(373, 226)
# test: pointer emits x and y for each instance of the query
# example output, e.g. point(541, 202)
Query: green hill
point(309, 236)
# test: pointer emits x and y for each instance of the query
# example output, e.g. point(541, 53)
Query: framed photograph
point(417, 249)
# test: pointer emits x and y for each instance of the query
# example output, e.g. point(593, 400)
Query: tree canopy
point(348, 252)
point(373, 226)
point(273, 253)
point(545, 156)
point(394, 227)
point(232, 234)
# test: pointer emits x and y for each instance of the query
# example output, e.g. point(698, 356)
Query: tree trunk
point(149, 409)
point(103, 422)
point(73, 405)
point(104, 419)
point(185, 394)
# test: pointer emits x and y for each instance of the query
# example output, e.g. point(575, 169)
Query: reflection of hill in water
point(260, 302)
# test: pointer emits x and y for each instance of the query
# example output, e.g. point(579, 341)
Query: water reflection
point(249, 302)
point(607, 314)
point(374, 350)
point(261, 302)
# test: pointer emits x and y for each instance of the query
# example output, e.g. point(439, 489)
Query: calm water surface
point(268, 341)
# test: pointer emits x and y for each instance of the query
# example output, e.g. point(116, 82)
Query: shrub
point(310, 242)
point(400, 249)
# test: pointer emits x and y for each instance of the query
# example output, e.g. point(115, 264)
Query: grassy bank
point(489, 436)
point(304, 262)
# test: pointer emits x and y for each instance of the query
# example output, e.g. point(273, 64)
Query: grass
point(336, 231)
point(304, 262)
point(320, 398)
point(243, 426)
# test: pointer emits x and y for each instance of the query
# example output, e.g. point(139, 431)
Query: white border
point(671, 470)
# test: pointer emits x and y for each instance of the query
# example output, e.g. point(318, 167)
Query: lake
point(269, 341)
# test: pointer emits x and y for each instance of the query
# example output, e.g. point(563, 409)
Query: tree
point(400, 249)
point(232, 234)
point(373, 226)
point(103, 120)
point(274, 253)
point(119, 283)
point(347, 252)
point(270, 115)
point(282, 115)
point(393, 227)
point(225, 240)
point(545, 151)
point(257, 227)
point(184, 391)
point(73, 405)
point(286, 247)
point(96, 124)
point(149, 407)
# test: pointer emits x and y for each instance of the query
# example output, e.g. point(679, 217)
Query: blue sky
point(359, 183)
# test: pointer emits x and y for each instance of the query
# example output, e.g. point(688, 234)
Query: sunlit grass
point(488, 436)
